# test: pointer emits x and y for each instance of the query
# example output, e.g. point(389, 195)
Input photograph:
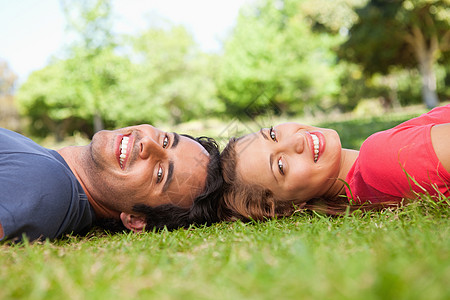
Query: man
point(140, 175)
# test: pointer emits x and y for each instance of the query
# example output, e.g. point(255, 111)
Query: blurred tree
point(7, 79)
point(403, 33)
point(157, 76)
point(66, 95)
point(273, 61)
point(77, 93)
point(336, 17)
point(9, 117)
point(171, 80)
point(90, 23)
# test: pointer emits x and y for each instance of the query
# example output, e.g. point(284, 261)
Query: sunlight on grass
point(392, 254)
point(403, 253)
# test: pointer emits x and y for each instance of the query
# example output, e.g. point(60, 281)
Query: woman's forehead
point(246, 142)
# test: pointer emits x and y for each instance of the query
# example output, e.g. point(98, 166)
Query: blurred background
point(198, 65)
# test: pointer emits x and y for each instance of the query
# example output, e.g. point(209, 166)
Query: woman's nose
point(150, 148)
point(296, 143)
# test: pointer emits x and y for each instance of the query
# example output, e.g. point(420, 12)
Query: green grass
point(353, 132)
point(393, 254)
point(401, 254)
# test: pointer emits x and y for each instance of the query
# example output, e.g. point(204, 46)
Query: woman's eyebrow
point(270, 156)
point(263, 134)
point(271, 166)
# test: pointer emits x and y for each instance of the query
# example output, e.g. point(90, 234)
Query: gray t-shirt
point(40, 196)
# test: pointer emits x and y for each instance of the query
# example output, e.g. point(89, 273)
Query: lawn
point(393, 254)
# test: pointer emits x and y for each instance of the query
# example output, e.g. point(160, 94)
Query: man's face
point(144, 165)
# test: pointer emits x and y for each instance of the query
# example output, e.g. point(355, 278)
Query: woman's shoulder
point(438, 115)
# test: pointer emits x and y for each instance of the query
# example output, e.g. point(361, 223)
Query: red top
point(395, 163)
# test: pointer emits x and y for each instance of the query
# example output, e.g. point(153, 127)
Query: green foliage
point(171, 80)
point(8, 112)
point(280, 58)
point(273, 57)
point(406, 33)
point(401, 254)
point(356, 130)
point(90, 22)
point(66, 95)
point(160, 77)
point(332, 16)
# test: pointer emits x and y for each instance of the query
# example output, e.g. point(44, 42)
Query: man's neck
point(73, 155)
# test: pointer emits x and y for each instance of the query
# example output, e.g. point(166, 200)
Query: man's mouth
point(316, 146)
point(123, 148)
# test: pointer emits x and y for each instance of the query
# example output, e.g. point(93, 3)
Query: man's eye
point(280, 166)
point(272, 134)
point(165, 141)
point(159, 176)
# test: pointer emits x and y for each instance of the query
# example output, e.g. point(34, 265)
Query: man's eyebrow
point(169, 176)
point(176, 140)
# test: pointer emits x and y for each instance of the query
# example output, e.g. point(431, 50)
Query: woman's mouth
point(318, 144)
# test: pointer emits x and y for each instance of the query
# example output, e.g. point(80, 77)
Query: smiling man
point(140, 175)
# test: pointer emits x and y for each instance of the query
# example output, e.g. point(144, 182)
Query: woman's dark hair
point(203, 210)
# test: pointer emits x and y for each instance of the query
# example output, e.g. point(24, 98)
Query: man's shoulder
point(41, 196)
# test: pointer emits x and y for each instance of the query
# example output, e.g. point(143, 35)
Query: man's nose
point(150, 148)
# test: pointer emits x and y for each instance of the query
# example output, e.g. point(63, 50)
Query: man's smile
point(124, 149)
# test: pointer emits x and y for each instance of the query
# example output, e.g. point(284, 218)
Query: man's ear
point(135, 223)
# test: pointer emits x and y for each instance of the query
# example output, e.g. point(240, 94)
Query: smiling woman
point(291, 166)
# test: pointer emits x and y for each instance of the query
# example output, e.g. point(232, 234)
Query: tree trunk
point(425, 52)
point(428, 78)
point(98, 122)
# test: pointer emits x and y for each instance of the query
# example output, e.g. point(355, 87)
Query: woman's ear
point(135, 223)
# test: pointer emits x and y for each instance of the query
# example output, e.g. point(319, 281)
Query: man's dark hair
point(204, 209)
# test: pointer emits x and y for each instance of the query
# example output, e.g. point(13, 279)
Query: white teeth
point(316, 146)
point(123, 150)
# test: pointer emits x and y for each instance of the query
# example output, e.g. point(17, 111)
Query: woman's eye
point(165, 141)
point(272, 134)
point(280, 166)
point(159, 176)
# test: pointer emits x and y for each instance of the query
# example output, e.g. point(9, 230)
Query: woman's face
point(294, 161)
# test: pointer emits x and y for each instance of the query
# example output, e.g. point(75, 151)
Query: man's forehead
point(184, 188)
point(193, 145)
point(189, 173)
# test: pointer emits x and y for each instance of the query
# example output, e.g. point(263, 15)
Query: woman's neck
point(348, 158)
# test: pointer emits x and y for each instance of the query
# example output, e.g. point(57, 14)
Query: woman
point(279, 170)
